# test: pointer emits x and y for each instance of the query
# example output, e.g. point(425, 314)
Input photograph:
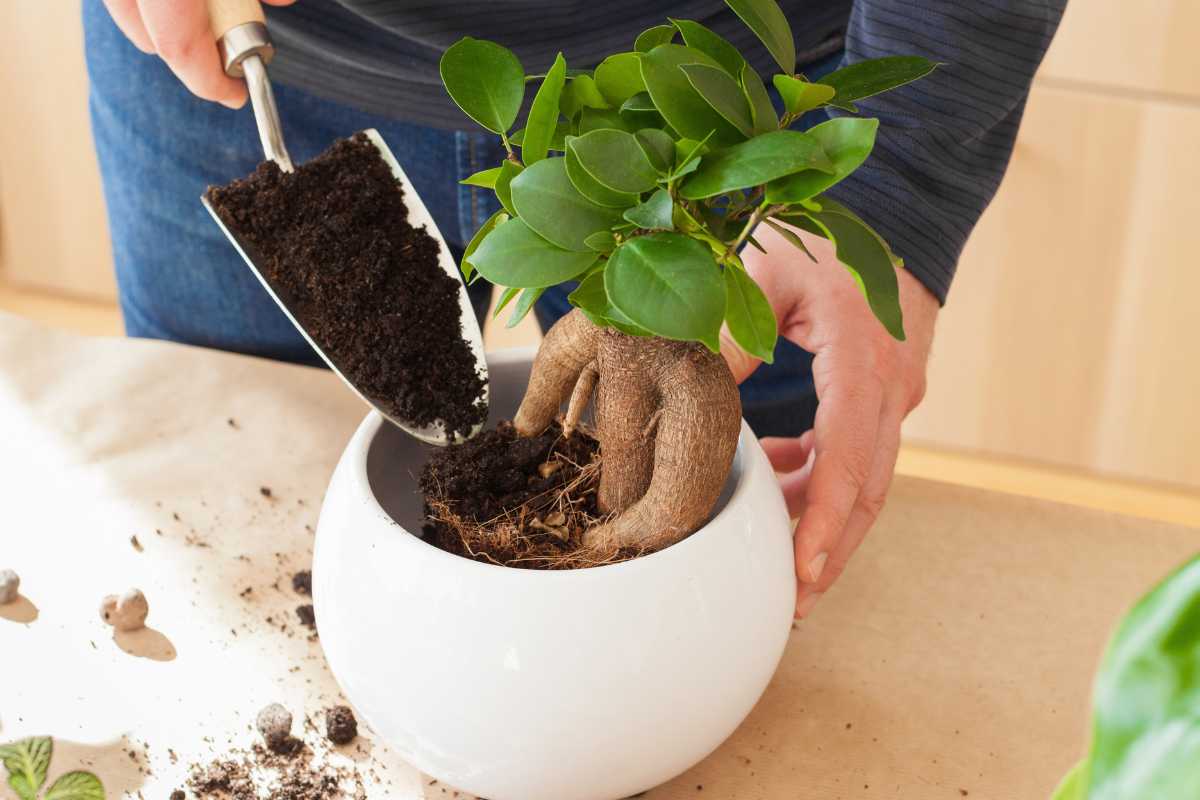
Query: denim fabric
point(180, 279)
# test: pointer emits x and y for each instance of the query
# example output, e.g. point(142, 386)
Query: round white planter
point(515, 684)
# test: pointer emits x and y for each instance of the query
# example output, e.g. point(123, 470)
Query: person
point(829, 410)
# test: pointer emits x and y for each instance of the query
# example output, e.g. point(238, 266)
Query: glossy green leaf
point(687, 152)
point(670, 285)
point(639, 102)
point(524, 305)
point(601, 242)
point(591, 298)
point(769, 24)
point(723, 93)
point(654, 214)
point(698, 37)
point(619, 77)
point(592, 189)
point(77, 785)
point(862, 251)
point(658, 147)
point(869, 78)
point(547, 201)
point(764, 158)
point(1074, 785)
point(676, 99)
point(790, 235)
point(595, 119)
point(485, 178)
point(799, 95)
point(616, 160)
point(749, 316)
point(27, 762)
point(506, 297)
point(762, 110)
point(508, 171)
point(543, 114)
point(1146, 698)
point(561, 129)
point(467, 268)
point(485, 80)
point(513, 255)
point(651, 38)
point(846, 140)
point(579, 93)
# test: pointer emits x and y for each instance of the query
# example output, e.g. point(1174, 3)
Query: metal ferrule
point(241, 41)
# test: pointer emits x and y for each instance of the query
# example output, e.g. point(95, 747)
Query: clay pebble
point(274, 722)
point(125, 612)
point(10, 586)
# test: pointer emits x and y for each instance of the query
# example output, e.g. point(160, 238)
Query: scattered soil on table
point(333, 240)
point(259, 773)
point(516, 501)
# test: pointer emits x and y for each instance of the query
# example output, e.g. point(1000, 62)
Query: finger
point(182, 37)
point(847, 423)
point(279, 2)
point(129, 19)
point(787, 453)
point(866, 510)
point(741, 363)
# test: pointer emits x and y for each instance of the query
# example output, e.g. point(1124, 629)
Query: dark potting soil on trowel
point(333, 240)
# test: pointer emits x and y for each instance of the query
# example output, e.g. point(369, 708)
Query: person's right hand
point(179, 31)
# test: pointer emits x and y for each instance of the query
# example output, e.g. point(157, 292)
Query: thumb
point(741, 363)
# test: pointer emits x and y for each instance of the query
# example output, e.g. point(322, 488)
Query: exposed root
point(580, 397)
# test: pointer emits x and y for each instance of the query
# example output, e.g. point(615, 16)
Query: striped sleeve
point(945, 141)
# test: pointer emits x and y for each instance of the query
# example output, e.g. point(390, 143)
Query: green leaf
point(762, 111)
point(678, 101)
point(799, 95)
point(698, 37)
point(790, 235)
point(508, 171)
point(591, 188)
point(763, 158)
point(651, 38)
point(639, 102)
point(473, 245)
point(619, 77)
point(616, 160)
point(595, 119)
point(580, 93)
point(686, 156)
point(513, 255)
point(749, 316)
point(547, 201)
point(485, 80)
point(670, 285)
point(76, 786)
point(655, 213)
point(601, 242)
point(524, 304)
point(723, 93)
point(27, 762)
point(862, 251)
point(561, 129)
point(658, 147)
point(1074, 785)
point(869, 78)
point(1146, 699)
point(543, 114)
point(591, 298)
point(766, 19)
point(846, 140)
point(505, 298)
point(485, 178)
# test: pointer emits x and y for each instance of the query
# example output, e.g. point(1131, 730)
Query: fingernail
point(805, 606)
point(815, 566)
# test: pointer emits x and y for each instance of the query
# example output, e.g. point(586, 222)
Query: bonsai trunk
point(667, 418)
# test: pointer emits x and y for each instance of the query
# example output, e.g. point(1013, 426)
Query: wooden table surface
point(953, 659)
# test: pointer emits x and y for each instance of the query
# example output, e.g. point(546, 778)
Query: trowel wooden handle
point(226, 14)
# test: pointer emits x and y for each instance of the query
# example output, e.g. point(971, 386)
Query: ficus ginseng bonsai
point(641, 180)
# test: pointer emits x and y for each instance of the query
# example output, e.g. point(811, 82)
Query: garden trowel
point(246, 49)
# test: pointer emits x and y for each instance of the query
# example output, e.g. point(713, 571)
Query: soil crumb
point(340, 725)
point(516, 501)
point(306, 616)
point(302, 582)
point(333, 240)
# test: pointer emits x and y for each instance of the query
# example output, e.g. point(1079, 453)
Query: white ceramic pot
point(514, 684)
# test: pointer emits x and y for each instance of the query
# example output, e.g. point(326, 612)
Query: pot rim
point(745, 465)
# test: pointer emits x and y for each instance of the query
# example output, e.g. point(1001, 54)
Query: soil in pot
point(333, 240)
point(517, 501)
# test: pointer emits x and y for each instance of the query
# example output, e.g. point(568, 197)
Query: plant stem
point(508, 147)
point(755, 218)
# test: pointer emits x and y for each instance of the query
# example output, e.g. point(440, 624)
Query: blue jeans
point(179, 278)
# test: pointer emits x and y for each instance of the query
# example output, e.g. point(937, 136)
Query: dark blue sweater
point(944, 142)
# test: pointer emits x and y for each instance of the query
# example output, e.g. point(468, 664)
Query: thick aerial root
point(580, 397)
point(568, 348)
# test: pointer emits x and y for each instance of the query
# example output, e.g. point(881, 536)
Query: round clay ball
point(340, 725)
point(275, 724)
point(125, 612)
point(10, 585)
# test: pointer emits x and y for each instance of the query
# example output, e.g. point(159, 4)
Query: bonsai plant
point(641, 180)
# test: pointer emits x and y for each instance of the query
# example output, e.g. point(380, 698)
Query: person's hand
point(836, 476)
point(178, 30)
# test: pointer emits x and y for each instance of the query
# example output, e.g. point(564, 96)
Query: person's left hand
point(836, 476)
